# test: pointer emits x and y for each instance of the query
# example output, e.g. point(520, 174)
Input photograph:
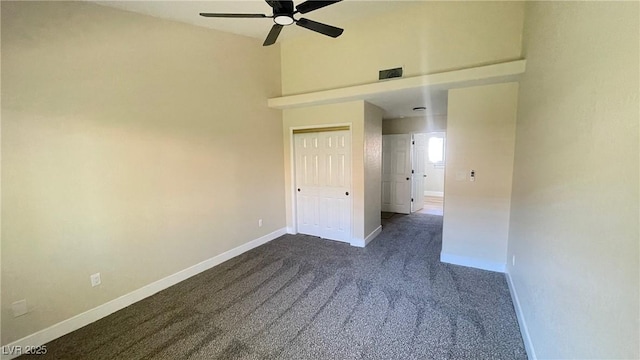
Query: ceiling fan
point(283, 12)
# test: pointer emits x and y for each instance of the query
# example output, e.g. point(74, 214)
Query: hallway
point(433, 205)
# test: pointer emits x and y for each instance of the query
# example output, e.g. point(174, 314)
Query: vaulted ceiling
point(395, 105)
point(187, 11)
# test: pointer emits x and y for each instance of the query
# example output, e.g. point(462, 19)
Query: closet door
point(308, 157)
point(323, 184)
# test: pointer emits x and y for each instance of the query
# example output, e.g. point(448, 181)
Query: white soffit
point(397, 95)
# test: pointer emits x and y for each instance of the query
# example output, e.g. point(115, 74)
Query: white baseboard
point(358, 243)
point(74, 323)
point(472, 262)
point(373, 235)
point(524, 330)
point(291, 230)
point(363, 243)
point(434, 193)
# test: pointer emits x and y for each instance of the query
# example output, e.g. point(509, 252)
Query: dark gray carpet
point(300, 297)
point(386, 215)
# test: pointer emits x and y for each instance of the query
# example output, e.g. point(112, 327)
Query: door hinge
point(411, 199)
point(413, 142)
point(413, 171)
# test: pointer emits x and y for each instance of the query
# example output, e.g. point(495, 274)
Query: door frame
point(292, 175)
point(414, 166)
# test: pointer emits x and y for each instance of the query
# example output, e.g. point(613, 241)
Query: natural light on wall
point(436, 149)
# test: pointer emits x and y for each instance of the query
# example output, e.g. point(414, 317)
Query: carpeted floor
point(300, 297)
point(386, 215)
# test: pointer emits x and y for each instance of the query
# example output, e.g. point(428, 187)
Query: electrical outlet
point(259, 222)
point(19, 307)
point(95, 280)
point(513, 260)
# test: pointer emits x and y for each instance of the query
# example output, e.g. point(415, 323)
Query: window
point(436, 149)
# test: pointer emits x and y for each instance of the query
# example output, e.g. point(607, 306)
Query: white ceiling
point(188, 12)
point(396, 105)
point(400, 104)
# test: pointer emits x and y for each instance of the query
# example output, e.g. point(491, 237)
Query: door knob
point(347, 193)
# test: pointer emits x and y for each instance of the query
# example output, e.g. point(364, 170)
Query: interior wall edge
point(364, 242)
point(524, 330)
point(472, 262)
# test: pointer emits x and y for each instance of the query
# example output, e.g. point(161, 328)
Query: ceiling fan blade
point(311, 5)
point(281, 6)
point(325, 29)
point(234, 15)
point(273, 35)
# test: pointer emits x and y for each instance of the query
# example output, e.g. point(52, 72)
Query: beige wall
point(574, 220)
point(131, 146)
point(343, 113)
point(412, 125)
point(372, 167)
point(480, 137)
point(426, 37)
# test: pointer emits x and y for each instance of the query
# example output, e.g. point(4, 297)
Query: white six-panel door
point(396, 173)
point(323, 184)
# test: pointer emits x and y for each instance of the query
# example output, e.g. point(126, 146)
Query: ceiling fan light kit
point(283, 12)
point(283, 20)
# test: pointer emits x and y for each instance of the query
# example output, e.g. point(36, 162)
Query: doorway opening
point(433, 181)
point(413, 173)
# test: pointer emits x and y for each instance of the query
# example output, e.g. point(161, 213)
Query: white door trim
point(292, 175)
point(418, 153)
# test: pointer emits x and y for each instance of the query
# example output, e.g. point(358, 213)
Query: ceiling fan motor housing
point(282, 12)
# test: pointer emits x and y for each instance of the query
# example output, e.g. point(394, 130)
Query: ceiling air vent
point(390, 73)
